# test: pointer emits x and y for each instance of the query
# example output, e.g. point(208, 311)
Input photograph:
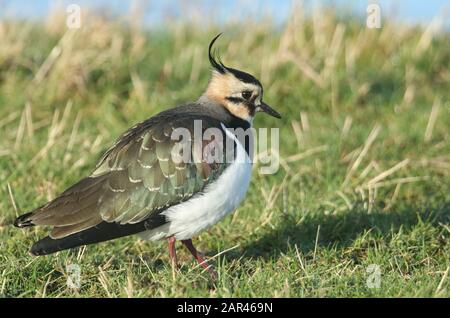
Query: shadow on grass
point(340, 230)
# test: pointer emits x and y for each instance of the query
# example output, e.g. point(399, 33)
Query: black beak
point(269, 110)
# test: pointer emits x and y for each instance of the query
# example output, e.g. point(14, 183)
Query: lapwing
point(140, 185)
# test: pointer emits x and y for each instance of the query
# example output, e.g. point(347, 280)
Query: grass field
point(363, 187)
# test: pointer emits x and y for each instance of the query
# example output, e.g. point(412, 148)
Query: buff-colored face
point(241, 99)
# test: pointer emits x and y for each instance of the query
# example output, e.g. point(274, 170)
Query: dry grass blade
point(103, 279)
point(305, 68)
point(20, 131)
point(395, 182)
point(300, 260)
point(307, 153)
point(29, 120)
point(13, 202)
point(52, 57)
point(10, 118)
point(316, 243)
point(334, 49)
point(297, 132)
point(440, 287)
point(54, 132)
point(388, 172)
point(346, 127)
point(394, 197)
point(72, 138)
point(369, 141)
point(430, 32)
point(432, 120)
point(305, 121)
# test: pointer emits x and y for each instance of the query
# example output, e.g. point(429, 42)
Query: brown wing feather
point(71, 204)
point(63, 231)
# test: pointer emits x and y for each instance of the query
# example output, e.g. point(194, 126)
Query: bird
point(140, 187)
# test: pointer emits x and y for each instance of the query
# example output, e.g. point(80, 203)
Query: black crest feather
point(217, 64)
point(214, 58)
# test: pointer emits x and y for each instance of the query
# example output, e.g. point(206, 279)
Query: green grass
point(311, 229)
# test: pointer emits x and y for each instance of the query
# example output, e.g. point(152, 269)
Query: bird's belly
point(206, 209)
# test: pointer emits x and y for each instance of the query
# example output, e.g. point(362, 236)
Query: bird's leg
point(172, 252)
point(199, 257)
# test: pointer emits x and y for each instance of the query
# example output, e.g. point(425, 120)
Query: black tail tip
point(33, 253)
point(23, 221)
point(38, 248)
point(44, 246)
point(36, 251)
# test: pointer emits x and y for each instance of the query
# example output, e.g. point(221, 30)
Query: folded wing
point(135, 181)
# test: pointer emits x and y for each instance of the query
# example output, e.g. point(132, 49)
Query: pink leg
point(199, 257)
point(172, 252)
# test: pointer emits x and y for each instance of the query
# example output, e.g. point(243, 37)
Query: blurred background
point(364, 145)
point(157, 12)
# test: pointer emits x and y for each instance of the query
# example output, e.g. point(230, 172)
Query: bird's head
point(239, 92)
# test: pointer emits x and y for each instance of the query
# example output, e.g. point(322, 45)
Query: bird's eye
point(246, 94)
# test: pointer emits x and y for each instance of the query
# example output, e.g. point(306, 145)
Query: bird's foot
point(200, 258)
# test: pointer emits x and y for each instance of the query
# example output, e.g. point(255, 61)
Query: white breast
point(209, 207)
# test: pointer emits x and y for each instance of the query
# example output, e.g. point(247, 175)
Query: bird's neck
point(221, 112)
